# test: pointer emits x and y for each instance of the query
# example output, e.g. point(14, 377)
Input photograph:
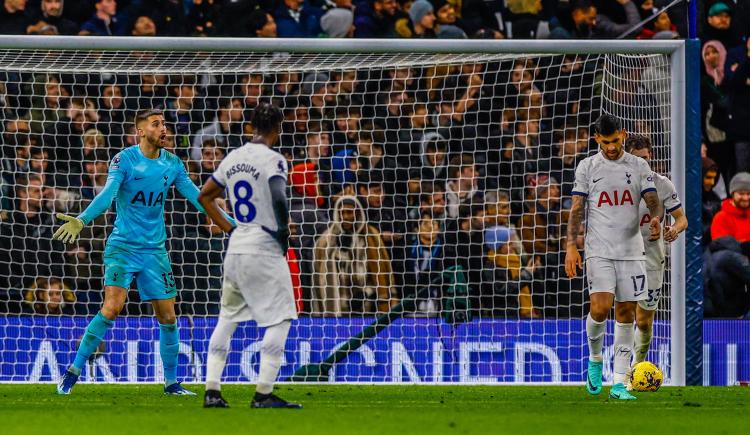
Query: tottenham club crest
point(281, 166)
point(627, 174)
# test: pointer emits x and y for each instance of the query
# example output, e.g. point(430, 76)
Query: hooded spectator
point(734, 217)
point(715, 104)
point(353, 272)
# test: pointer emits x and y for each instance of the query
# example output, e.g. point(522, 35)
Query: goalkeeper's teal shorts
point(151, 269)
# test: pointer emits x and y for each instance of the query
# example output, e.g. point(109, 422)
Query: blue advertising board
point(38, 349)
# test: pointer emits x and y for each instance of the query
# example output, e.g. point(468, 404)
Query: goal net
point(429, 194)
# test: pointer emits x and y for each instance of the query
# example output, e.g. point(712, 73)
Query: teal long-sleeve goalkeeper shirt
point(139, 186)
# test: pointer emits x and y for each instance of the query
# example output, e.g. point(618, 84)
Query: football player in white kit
point(257, 283)
point(608, 188)
point(640, 146)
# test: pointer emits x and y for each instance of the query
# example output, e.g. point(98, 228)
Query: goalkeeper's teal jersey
point(140, 186)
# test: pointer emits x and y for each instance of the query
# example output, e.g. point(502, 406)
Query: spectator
point(92, 139)
point(462, 185)
point(575, 21)
point(526, 21)
point(506, 285)
point(738, 86)
point(112, 115)
point(376, 18)
point(252, 90)
point(294, 19)
point(734, 217)
point(14, 19)
point(204, 18)
point(726, 278)
point(30, 234)
point(338, 23)
point(50, 296)
point(476, 15)
point(425, 260)
point(106, 21)
point(95, 177)
point(380, 209)
point(434, 157)
point(662, 23)
point(711, 203)
point(497, 212)
point(47, 105)
point(719, 19)
point(542, 226)
point(225, 129)
point(51, 13)
point(144, 26)
point(715, 104)
point(169, 18)
point(262, 25)
point(352, 267)
point(212, 153)
point(432, 201)
point(605, 27)
point(185, 112)
point(421, 22)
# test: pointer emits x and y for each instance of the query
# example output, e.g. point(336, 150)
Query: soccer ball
point(645, 376)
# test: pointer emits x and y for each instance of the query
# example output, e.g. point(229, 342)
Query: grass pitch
point(344, 409)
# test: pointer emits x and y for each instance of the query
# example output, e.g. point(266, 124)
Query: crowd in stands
point(395, 174)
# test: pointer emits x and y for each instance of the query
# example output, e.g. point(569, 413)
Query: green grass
point(402, 410)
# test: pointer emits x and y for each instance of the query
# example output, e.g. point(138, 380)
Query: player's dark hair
point(266, 118)
point(607, 125)
point(143, 115)
point(637, 142)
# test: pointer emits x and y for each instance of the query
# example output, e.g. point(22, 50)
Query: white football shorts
point(257, 287)
point(626, 279)
point(655, 282)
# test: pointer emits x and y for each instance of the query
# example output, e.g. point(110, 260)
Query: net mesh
point(461, 165)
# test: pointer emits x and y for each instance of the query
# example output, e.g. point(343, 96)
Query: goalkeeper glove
point(69, 231)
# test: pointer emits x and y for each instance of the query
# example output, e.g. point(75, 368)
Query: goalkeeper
point(139, 177)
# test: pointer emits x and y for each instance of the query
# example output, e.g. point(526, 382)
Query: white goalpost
point(429, 187)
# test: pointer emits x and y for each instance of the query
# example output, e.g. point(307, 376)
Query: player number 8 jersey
point(245, 173)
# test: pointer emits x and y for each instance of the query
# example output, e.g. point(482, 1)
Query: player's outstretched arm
point(655, 209)
point(69, 231)
point(672, 232)
point(206, 199)
point(573, 259)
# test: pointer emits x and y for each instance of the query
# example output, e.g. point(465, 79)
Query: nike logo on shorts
point(596, 180)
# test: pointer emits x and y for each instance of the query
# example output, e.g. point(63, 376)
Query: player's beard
point(158, 141)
